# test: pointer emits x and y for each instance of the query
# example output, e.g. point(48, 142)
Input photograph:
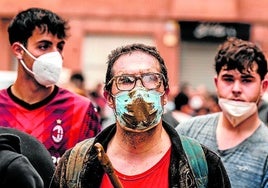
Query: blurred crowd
point(189, 101)
point(76, 84)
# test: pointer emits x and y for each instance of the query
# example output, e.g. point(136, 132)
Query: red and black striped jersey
point(59, 121)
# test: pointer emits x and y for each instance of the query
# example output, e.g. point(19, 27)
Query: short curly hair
point(128, 49)
point(23, 24)
point(239, 54)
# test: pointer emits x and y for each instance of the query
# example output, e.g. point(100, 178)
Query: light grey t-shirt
point(246, 163)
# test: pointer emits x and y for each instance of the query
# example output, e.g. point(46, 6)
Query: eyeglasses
point(128, 82)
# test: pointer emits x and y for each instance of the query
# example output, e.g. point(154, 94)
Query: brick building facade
point(156, 19)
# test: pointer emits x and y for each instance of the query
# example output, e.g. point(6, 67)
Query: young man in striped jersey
point(34, 104)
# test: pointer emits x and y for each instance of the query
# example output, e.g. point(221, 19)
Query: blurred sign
point(213, 32)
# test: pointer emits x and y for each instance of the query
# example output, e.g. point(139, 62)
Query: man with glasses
point(144, 151)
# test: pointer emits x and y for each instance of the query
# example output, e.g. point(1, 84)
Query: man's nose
point(236, 87)
point(139, 83)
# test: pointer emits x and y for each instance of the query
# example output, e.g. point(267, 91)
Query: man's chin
point(138, 129)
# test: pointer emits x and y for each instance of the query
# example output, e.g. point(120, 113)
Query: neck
point(249, 124)
point(134, 153)
point(30, 93)
point(138, 143)
point(229, 136)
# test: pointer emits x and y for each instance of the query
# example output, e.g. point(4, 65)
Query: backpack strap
point(75, 162)
point(197, 160)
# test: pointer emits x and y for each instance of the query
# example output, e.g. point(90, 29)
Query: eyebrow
point(47, 41)
point(44, 41)
point(247, 76)
point(243, 75)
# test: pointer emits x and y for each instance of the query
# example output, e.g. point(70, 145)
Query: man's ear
point(17, 50)
point(165, 96)
point(264, 86)
point(109, 99)
point(215, 81)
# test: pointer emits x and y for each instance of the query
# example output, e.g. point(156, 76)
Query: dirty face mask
point(46, 68)
point(237, 111)
point(138, 110)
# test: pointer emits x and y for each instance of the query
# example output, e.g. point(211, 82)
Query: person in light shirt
point(236, 133)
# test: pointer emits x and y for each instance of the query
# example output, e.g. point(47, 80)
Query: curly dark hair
point(23, 24)
point(128, 49)
point(239, 54)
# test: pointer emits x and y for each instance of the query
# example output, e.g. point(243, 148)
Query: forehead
point(38, 35)
point(135, 63)
point(249, 72)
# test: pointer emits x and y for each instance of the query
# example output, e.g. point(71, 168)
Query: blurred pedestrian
point(77, 84)
point(182, 110)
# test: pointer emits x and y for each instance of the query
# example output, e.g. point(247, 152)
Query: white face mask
point(237, 111)
point(46, 68)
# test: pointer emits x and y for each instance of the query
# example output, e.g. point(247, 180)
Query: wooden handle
point(107, 166)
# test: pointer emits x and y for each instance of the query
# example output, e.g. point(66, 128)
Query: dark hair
point(239, 54)
point(24, 23)
point(77, 76)
point(180, 100)
point(128, 49)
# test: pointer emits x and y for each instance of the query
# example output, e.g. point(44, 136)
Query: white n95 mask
point(237, 111)
point(46, 68)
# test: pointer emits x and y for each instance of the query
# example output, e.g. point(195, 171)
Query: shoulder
point(65, 94)
point(198, 121)
point(3, 91)
point(15, 168)
point(9, 149)
point(203, 118)
point(28, 143)
point(21, 173)
point(4, 95)
point(71, 164)
point(168, 118)
point(260, 136)
point(35, 151)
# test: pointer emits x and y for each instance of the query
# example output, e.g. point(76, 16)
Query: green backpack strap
point(197, 160)
point(75, 162)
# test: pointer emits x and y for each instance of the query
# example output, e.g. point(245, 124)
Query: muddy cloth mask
point(138, 110)
point(46, 68)
point(237, 111)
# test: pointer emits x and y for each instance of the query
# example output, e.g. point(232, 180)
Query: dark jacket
point(35, 152)
point(15, 169)
point(180, 174)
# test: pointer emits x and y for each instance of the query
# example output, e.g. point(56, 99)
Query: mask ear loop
point(22, 62)
point(27, 51)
